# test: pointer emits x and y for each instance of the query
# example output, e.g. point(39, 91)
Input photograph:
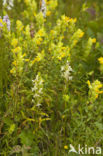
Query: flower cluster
point(9, 4)
point(76, 37)
point(66, 71)
point(94, 89)
point(37, 90)
point(18, 58)
point(100, 60)
point(4, 21)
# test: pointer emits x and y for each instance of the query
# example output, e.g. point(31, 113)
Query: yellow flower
point(34, 13)
point(48, 13)
point(63, 48)
point(100, 86)
point(27, 1)
point(101, 92)
point(88, 82)
point(75, 20)
point(27, 60)
point(24, 54)
point(14, 63)
point(37, 59)
point(38, 42)
point(12, 71)
point(75, 42)
point(61, 56)
point(94, 40)
point(96, 96)
point(1, 21)
point(48, 2)
point(14, 42)
point(72, 20)
point(52, 31)
point(100, 60)
point(66, 19)
point(81, 34)
point(41, 32)
point(17, 50)
point(65, 147)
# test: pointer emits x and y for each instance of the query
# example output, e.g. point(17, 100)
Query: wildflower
point(14, 63)
point(9, 3)
point(37, 90)
point(75, 42)
point(94, 89)
point(19, 25)
point(71, 20)
point(100, 60)
point(7, 21)
point(66, 71)
point(17, 50)
point(24, 54)
point(65, 18)
point(1, 22)
point(48, 13)
point(12, 71)
point(27, 60)
point(61, 56)
point(27, 1)
point(43, 8)
point(94, 40)
point(88, 82)
point(41, 32)
point(81, 34)
point(38, 42)
point(66, 147)
point(14, 42)
point(39, 57)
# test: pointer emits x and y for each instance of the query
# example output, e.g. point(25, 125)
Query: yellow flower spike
point(100, 60)
point(94, 40)
point(14, 42)
point(66, 147)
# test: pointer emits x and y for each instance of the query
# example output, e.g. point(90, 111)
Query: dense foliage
point(51, 76)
